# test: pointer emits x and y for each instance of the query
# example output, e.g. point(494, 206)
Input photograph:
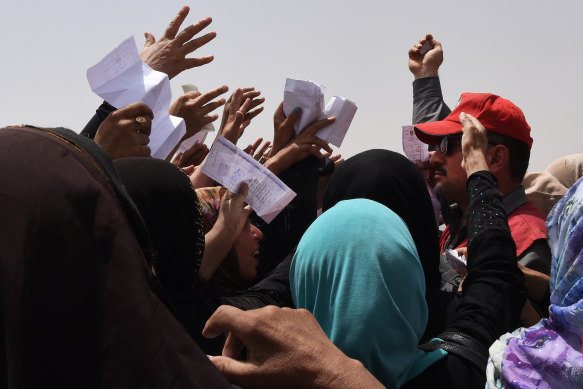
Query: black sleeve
point(493, 292)
point(428, 104)
point(100, 114)
point(537, 257)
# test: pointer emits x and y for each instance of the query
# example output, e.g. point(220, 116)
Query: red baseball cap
point(496, 114)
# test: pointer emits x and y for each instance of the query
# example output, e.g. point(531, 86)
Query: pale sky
point(528, 52)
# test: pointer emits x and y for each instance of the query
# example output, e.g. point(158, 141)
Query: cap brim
point(431, 132)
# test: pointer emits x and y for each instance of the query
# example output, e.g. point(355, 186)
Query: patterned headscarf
point(549, 354)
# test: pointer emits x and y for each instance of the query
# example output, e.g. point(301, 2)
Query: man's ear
point(498, 158)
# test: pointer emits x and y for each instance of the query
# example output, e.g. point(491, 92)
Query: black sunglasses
point(444, 143)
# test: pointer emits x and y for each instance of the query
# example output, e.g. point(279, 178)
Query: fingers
point(262, 150)
point(136, 109)
point(254, 146)
point(208, 96)
point(242, 192)
point(189, 169)
point(150, 40)
point(232, 369)
point(175, 24)
point(228, 319)
point(194, 44)
point(192, 30)
point(251, 114)
point(233, 346)
point(313, 128)
point(190, 63)
point(321, 144)
point(293, 117)
point(245, 107)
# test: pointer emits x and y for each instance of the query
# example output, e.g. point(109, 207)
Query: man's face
point(449, 177)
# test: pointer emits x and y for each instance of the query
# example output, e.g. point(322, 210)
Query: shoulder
point(527, 223)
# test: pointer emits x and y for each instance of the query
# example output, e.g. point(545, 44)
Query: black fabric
point(391, 179)
point(493, 292)
point(169, 205)
point(274, 289)
point(100, 114)
point(428, 104)
point(285, 231)
point(461, 345)
point(77, 308)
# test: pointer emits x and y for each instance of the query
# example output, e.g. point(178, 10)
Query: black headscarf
point(169, 205)
point(391, 179)
point(76, 303)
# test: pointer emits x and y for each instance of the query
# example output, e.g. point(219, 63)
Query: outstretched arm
point(428, 104)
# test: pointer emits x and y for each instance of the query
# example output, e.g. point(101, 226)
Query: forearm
point(218, 242)
point(493, 291)
point(428, 104)
point(199, 179)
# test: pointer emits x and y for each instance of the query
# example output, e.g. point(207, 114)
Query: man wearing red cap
point(509, 145)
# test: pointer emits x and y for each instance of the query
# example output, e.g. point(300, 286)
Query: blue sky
point(527, 52)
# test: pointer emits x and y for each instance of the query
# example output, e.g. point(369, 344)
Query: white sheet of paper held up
point(344, 110)
point(414, 149)
point(121, 78)
point(230, 166)
point(309, 96)
point(306, 95)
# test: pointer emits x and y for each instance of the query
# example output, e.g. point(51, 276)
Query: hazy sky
point(528, 52)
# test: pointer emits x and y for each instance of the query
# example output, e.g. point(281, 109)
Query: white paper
point(309, 96)
point(306, 95)
point(414, 149)
point(344, 110)
point(418, 151)
point(230, 166)
point(459, 263)
point(121, 78)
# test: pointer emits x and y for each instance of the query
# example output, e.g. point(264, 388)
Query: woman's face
point(247, 248)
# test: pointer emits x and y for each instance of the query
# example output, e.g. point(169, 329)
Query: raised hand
point(126, 132)
point(283, 128)
point(425, 65)
point(191, 157)
point(304, 144)
point(474, 144)
point(168, 54)
point(195, 108)
point(252, 111)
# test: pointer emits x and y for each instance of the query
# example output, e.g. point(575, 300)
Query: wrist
point(274, 164)
point(349, 373)
point(424, 73)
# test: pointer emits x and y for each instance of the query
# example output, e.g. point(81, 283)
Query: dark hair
point(519, 154)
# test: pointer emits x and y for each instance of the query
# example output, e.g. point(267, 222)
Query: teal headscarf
point(357, 270)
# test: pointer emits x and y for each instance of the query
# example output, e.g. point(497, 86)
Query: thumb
point(242, 192)
point(231, 368)
point(150, 40)
point(292, 118)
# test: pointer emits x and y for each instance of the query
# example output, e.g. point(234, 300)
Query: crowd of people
point(122, 270)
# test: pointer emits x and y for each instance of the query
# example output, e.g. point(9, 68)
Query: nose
point(436, 158)
point(257, 233)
